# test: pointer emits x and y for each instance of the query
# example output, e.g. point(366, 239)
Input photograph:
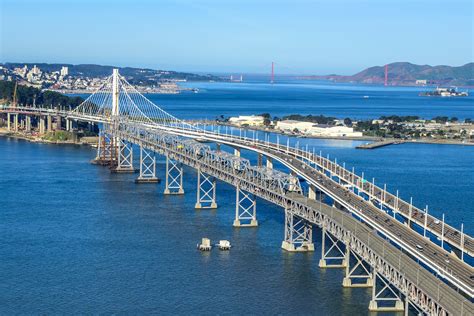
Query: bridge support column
point(147, 167)
point(312, 192)
point(50, 123)
point(385, 299)
point(58, 122)
point(269, 163)
point(41, 125)
point(332, 257)
point(9, 122)
point(125, 157)
point(237, 152)
point(106, 150)
point(68, 125)
point(298, 234)
point(28, 123)
point(16, 122)
point(245, 209)
point(359, 271)
point(206, 191)
point(174, 177)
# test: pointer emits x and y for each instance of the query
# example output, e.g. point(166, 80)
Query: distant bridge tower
point(272, 80)
point(386, 75)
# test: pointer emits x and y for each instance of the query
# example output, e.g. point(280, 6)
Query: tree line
point(28, 96)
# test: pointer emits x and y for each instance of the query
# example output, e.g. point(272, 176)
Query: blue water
point(303, 97)
point(76, 238)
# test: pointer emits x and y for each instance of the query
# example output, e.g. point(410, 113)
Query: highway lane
point(450, 263)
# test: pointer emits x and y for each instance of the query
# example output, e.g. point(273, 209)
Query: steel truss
point(206, 191)
point(125, 157)
point(147, 166)
point(359, 270)
point(245, 209)
point(386, 298)
point(174, 177)
point(334, 256)
point(106, 149)
point(421, 287)
point(298, 233)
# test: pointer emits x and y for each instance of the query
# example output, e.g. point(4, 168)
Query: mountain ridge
point(405, 73)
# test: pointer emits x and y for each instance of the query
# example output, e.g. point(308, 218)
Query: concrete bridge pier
point(298, 234)
point(50, 123)
point(174, 177)
point(68, 125)
point(269, 163)
point(359, 271)
point(41, 125)
point(237, 152)
point(206, 191)
point(58, 122)
point(332, 256)
point(147, 167)
point(9, 120)
point(16, 122)
point(312, 192)
point(245, 209)
point(28, 123)
point(106, 150)
point(384, 299)
point(125, 157)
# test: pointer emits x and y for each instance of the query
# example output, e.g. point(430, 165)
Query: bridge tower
point(124, 149)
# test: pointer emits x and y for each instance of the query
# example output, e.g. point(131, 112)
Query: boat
point(445, 92)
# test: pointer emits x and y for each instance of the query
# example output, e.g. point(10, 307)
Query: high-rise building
point(64, 71)
point(35, 70)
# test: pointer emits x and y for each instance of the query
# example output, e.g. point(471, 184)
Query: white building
point(313, 129)
point(291, 125)
point(64, 71)
point(250, 120)
point(35, 70)
point(333, 131)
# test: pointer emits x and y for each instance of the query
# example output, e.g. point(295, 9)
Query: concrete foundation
point(323, 264)
point(199, 205)
point(253, 223)
point(347, 282)
point(291, 247)
point(399, 307)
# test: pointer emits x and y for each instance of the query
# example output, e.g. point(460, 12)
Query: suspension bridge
point(410, 259)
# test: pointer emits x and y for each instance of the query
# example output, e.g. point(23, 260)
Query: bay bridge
point(410, 259)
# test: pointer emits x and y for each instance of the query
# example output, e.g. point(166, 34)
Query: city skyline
point(305, 37)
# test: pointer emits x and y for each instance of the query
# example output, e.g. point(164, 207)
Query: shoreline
point(38, 140)
point(373, 139)
point(372, 142)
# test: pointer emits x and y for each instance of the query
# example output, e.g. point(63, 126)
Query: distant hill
point(133, 75)
point(404, 73)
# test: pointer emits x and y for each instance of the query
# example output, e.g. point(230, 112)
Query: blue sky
point(301, 36)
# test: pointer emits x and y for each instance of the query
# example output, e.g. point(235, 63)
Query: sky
point(242, 36)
